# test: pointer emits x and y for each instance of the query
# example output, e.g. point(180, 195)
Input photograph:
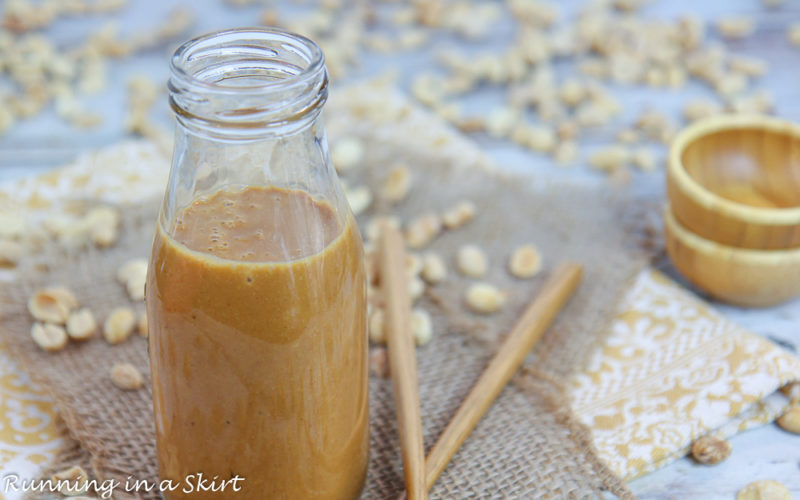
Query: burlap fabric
point(527, 446)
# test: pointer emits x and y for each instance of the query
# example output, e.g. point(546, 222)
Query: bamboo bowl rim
point(743, 255)
point(712, 201)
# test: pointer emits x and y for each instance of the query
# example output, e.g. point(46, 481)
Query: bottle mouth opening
point(247, 78)
point(247, 59)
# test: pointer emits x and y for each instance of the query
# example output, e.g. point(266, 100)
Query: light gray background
point(766, 453)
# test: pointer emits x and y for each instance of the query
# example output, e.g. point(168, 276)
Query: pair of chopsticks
point(420, 472)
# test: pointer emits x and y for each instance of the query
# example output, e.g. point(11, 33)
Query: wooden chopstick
point(528, 330)
point(402, 360)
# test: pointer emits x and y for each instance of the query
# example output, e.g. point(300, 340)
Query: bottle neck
point(248, 84)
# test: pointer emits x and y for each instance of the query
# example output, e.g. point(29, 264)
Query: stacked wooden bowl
point(732, 224)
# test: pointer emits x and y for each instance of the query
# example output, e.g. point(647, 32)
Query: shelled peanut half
point(52, 308)
point(71, 227)
point(59, 317)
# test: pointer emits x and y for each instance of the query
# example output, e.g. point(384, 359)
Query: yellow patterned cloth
point(673, 370)
point(670, 371)
point(29, 436)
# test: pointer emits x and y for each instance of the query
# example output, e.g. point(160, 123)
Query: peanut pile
point(60, 318)
point(72, 228)
point(607, 43)
point(41, 72)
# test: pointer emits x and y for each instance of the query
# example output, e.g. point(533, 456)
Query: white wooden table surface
point(766, 453)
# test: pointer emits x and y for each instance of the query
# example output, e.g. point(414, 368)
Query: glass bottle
point(256, 292)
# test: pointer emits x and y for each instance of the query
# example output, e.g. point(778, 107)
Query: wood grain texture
point(740, 276)
point(402, 360)
point(735, 179)
point(528, 330)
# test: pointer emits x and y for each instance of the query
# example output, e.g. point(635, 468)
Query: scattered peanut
point(63, 295)
point(103, 235)
point(49, 337)
point(434, 269)
point(136, 288)
point(413, 265)
point(764, 489)
point(590, 114)
point(51, 305)
point(12, 224)
point(793, 34)
point(540, 138)
point(566, 152)
point(656, 125)
point(750, 66)
point(372, 264)
point(471, 124)
point(347, 153)
point(423, 230)
point(525, 262)
point(620, 176)
point(416, 287)
point(644, 159)
point(568, 130)
point(458, 215)
point(143, 327)
point(735, 28)
point(119, 325)
point(374, 296)
point(132, 269)
point(103, 224)
point(126, 376)
point(471, 261)
point(501, 121)
point(379, 362)
point(397, 184)
point(697, 109)
point(421, 326)
point(484, 298)
point(73, 481)
point(133, 275)
point(610, 158)
point(790, 421)
point(359, 198)
point(373, 231)
point(628, 136)
point(11, 252)
point(759, 102)
point(792, 391)
point(81, 324)
point(655, 76)
point(377, 324)
point(731, 84)
point(572, 92)
point(710, 450)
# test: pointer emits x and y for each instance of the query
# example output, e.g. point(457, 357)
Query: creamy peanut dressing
point(256, 309)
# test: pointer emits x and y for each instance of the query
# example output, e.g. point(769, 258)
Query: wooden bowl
point(735, 179)
point(740, 276)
